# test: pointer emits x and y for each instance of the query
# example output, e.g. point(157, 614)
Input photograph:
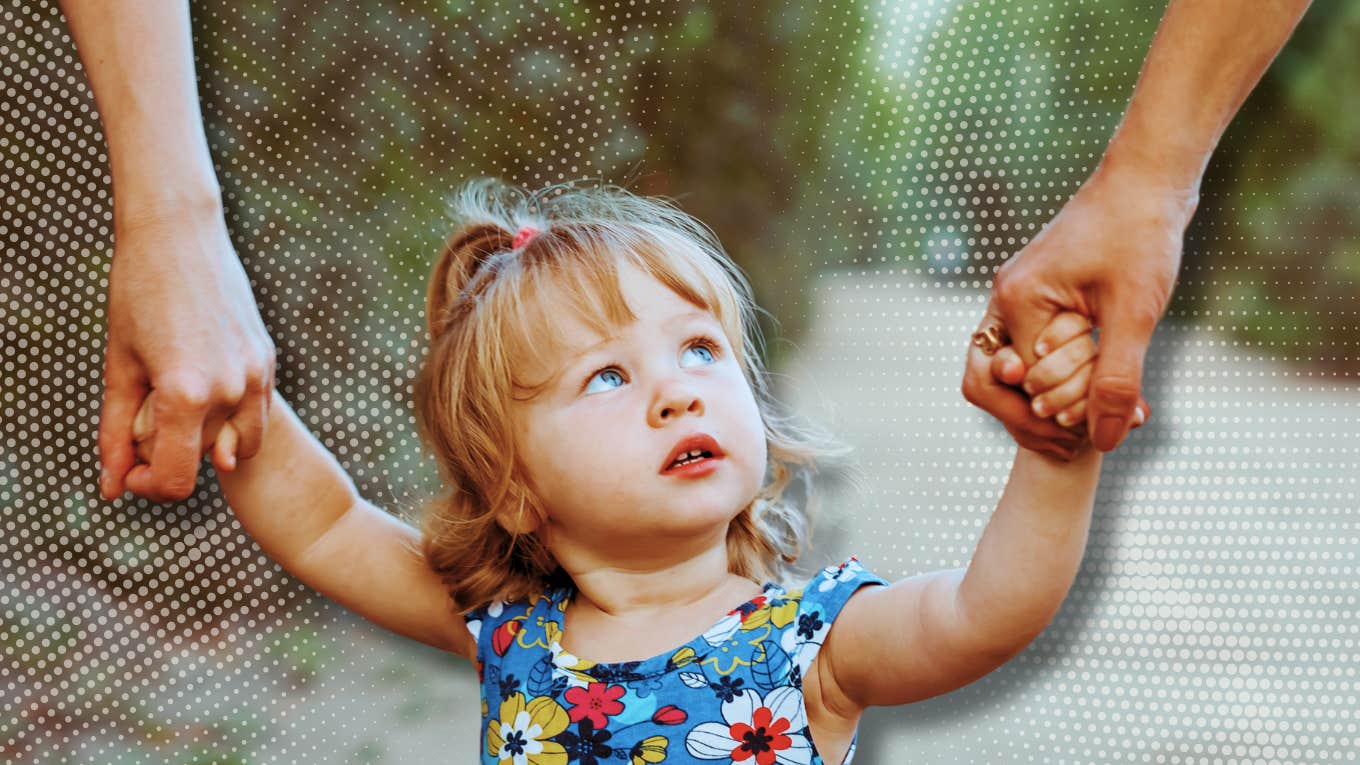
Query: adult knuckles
point(195, 392)
point(185, 391)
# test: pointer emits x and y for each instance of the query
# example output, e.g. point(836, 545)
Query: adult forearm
point(139, 59)
point(1205, 58)
point(1029, 553)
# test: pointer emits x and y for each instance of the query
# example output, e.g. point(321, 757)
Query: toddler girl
point(614, 550)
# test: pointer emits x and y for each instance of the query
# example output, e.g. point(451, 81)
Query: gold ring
point(989, 339)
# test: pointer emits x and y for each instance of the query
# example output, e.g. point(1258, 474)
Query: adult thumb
point(1126, 328)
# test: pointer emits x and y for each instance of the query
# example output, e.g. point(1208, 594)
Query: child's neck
point(691, 574)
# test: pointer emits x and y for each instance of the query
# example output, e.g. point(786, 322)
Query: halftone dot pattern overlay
point(869, 166)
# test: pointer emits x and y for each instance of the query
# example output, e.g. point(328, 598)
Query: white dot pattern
point(1214, 616)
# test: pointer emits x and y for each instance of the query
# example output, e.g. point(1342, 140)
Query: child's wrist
point(1083, 452)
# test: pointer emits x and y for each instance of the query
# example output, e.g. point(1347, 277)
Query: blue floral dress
point(731, 695)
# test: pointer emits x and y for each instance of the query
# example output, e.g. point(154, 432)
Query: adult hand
point(1111, 254)
point(182, 321)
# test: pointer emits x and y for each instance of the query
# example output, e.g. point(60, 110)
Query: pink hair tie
point(524, 235)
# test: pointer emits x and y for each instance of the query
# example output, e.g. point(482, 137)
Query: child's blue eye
point(701, 342)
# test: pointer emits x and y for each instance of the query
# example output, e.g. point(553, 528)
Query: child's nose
point(676, 396)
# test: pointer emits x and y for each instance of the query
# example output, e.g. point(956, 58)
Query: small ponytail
point(468, 253)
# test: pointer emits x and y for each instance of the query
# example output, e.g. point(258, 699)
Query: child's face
point(594, 444)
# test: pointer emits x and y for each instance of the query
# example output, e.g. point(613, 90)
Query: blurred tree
point(1291, 213)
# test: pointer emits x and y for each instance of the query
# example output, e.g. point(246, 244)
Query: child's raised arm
point(934, 632)
point(300, 506)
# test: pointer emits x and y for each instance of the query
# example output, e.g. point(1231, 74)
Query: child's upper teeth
point(689, 455)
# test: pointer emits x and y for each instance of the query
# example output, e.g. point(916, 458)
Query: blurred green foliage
point(347, 135)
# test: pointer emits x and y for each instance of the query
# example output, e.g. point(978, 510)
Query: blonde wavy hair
point(488, 304)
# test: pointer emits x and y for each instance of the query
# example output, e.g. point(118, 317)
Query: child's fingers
point(1060, 364)
point(224, 448)
point(1065, 393)
point(1072, 414)
point(1007, 366)
point(1060, 330)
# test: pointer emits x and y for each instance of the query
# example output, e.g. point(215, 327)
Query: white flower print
point(759, 730)
point(493, 609)
point(723, 630)
point(832, 577)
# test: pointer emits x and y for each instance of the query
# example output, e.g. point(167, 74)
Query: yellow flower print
point(728, 657)
point(648, 750)
point(784, 614)
point(769, 613)
point(543, 637)
point(522, 733)
point(756, 619)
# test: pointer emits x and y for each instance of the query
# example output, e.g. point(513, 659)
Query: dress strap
point(823, 598)
point(496, 625)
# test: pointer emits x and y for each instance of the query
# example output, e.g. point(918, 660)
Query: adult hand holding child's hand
point(1056, 385)
point(182, 321)
point(223, 446)
point(1111, 254)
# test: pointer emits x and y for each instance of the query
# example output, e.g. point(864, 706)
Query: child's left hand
point(223, 445)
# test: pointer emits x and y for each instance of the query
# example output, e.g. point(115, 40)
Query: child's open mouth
point(694, 455)
point(692, 466)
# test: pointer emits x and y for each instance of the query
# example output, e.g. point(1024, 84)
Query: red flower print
point(669, 715)
point(504, 636)
point(596, 701)
point(761, 739)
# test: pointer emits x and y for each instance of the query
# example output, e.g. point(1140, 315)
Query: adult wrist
point(161, 168)
point(1154, 158)
point(1145, 171)
point(141, 204)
